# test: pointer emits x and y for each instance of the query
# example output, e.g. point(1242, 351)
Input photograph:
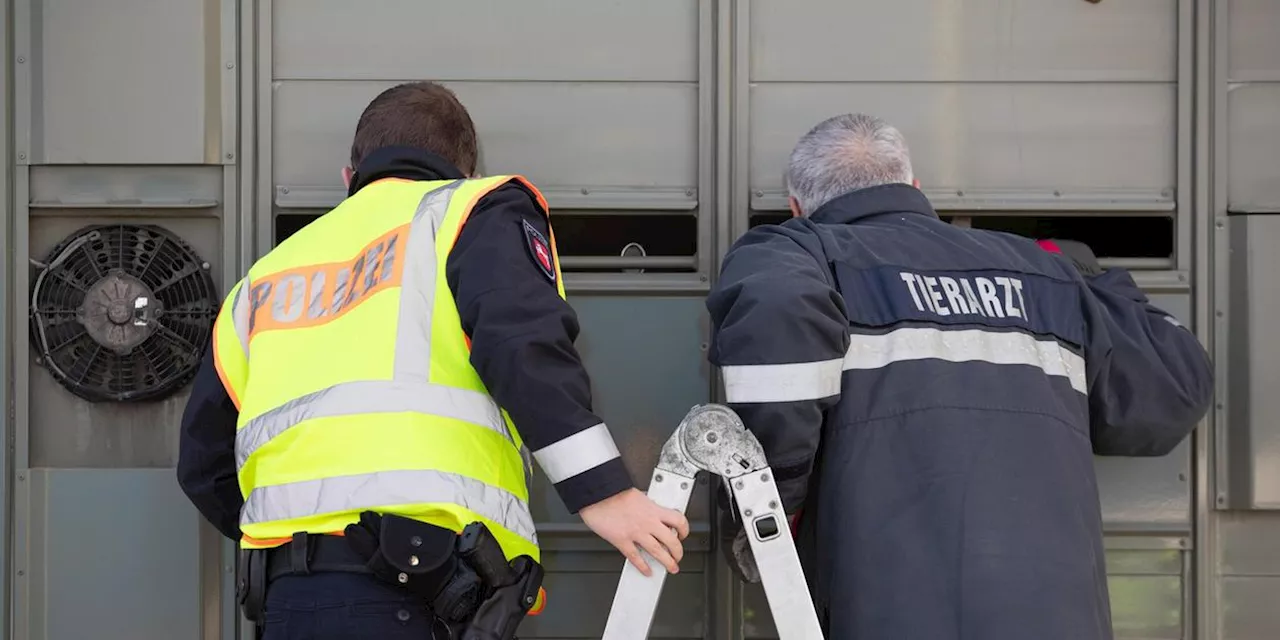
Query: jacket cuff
point(595, 484)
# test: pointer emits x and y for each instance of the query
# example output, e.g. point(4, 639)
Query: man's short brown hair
point(424, 115)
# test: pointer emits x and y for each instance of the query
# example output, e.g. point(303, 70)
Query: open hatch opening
point(596, 242)
point(1141, 241)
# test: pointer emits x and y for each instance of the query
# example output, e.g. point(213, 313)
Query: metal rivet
point(773, 504)
point(415, 541)
point(403, 578)
point(586, 192)
point(21, 59)
point(764, 477)
point(688, 192)
point(1182, 477)
point(231, 65)
point(1219, 314)
point(402, 615)
point(413, 561)
point(747, 513)
point(528, 600)
point(22, 156)
point(759, 194)
point(230, 156)
point(738, 485)
point(1057, 194)
point(960, 193)
point(1220, 224)
point(284, 189)
point(21, 573)
point(712, 437)
point(657, 477)
point(21, 478)
point(684, 485)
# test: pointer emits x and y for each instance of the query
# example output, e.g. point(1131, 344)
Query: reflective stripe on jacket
point(343, 351)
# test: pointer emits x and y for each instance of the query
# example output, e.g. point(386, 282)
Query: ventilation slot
point(600, 242)
point(1133, 242)
point(1144, 242)
point(596, 242)
point(288, 224)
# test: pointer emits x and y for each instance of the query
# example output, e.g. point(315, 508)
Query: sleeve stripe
point(782, 382)
point(580, 452)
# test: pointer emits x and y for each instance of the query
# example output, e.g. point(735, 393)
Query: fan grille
point(123, 312)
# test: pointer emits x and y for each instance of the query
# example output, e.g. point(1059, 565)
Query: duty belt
point(308, 554)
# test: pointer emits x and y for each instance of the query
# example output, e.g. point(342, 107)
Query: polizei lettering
point(320, 293)
point(994, 297)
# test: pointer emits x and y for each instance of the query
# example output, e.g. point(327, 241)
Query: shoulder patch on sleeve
point(539, 250)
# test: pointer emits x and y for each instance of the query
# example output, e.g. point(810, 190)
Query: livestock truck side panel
point(154, 148)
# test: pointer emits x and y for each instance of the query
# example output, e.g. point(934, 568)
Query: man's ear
point(915, 182)
point(347, 173)
point(795, 207)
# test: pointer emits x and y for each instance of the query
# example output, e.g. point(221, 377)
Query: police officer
point(931, 397)
point(381, 382)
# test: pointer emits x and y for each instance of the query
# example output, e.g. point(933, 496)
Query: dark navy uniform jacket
point(932, 397)
point(522, 346)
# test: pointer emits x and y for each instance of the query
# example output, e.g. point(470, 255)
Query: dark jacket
point(522, 346)
point(933, 397)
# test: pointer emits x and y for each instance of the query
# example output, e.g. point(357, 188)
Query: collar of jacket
point(401, 162)
point(873, 201)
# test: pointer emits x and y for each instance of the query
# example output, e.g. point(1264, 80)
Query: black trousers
point(347, 606)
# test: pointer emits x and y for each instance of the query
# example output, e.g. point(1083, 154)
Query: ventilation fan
point(122, 312)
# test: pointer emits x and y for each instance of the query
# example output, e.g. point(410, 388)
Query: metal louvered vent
point(122, 312)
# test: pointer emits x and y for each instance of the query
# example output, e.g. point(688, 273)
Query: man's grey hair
point(845, 153)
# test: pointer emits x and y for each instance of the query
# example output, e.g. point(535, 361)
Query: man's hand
point(631, 521)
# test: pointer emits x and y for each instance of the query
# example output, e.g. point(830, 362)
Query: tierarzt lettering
point(995, 297)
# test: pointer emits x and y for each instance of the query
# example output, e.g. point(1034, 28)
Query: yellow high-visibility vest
point(343, 350)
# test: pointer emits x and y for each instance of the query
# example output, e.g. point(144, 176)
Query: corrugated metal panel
point(109, 70)
point(1254, 409)
point(1035, 145)
point(963, 41)
point(100, 530)
point(487, 40)
point(1250, 575)
point(1253, 106)
point(566, 137)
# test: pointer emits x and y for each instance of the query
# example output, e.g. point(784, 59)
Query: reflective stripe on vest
point(407, 259)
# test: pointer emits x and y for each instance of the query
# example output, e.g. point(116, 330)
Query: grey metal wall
point(123, 111)
point(1148, 127)
point(1245, 163)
